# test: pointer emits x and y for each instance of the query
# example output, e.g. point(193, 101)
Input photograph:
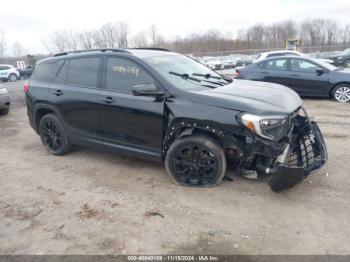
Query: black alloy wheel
point(53, 135)
point(196, 161)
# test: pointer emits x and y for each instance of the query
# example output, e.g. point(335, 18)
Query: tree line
point(313, 32)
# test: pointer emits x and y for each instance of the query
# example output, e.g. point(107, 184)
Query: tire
point(53, 136)
point(4, 111)
point(12, 78)
point(196, 161)
point(347, 63)
point(341, 93)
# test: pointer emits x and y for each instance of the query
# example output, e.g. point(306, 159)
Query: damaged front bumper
point(305, 153)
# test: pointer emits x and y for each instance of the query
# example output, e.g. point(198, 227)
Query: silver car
point(4, 101)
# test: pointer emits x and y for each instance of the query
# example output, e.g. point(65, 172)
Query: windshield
point(181, 65)
point(346, 52)
point(326, 65)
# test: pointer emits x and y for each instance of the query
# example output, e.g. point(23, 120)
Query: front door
point(130, 123)
point(306, 81)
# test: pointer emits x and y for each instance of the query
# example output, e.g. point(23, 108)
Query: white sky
point(30, 22)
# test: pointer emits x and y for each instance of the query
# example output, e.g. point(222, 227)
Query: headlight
point(269, 127)
point(3, 91)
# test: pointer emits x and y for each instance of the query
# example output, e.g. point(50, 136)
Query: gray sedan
point(4, 101)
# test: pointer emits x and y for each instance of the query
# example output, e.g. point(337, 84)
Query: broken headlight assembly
point(269, 127)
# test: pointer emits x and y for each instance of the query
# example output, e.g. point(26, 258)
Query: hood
point(250, 96)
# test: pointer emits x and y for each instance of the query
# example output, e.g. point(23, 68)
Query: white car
point(213, 63)
point(9, 73)
point(4, 101)
point(263, 56)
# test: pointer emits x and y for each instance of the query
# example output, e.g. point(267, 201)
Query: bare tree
point(122, 32)
point(86, 40)
point(140, 39)
point(109, 36)
point(17, 50)
point(315, 32)
point(2, 43)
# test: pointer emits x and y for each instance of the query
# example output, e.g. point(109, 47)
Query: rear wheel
point(12, 77)
point(197, 161)
point(341, 93)
point(53, 135)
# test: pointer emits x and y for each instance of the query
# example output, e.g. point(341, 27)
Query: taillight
point(236, 74)
point(26, 86)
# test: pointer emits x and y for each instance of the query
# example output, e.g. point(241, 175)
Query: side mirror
point(320, 71)
point(147, 90)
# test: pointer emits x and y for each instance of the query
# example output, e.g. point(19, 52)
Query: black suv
point(163, 106)
point(342, 59)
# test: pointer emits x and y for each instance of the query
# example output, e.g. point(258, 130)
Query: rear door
point(305, 80)
point(74, 92)
point(275, 71)
point(130, 123)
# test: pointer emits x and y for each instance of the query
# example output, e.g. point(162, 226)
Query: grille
point(308, 149)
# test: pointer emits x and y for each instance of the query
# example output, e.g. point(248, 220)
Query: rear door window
point(123, 74)
point(83, 71)
point(276, 64)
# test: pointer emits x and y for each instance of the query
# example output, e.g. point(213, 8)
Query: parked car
point(8, 73)
point(214, 63)
point(306, 76)
point(27, 71)
point(265, 55)
point(342, 59)
point(164, 106)
point(4, 101)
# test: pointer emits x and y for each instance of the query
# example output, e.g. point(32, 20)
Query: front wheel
point(341, 93)
point(53, 135)
point(197, 161)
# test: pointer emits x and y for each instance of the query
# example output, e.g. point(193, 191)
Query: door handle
point(108, 100)
point(264, 72)
point(57, 92)
point(294, 75)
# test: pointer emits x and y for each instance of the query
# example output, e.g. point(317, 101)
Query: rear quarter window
point(49, 67)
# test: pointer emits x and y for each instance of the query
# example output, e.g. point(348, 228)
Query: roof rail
point(93, 50)
point(151, 48)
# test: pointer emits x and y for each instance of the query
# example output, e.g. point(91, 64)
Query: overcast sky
point(30, 22)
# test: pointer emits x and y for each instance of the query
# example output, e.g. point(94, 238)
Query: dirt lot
point(100, 203)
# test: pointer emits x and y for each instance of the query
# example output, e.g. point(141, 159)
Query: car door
point(75, 93)
point(305, 79)
point(132, 124)
point(275, 71)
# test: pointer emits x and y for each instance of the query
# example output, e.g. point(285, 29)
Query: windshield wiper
point(208, 76)
point(185, 76)
point(188, 77)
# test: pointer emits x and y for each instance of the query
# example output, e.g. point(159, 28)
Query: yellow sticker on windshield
point(126, 70)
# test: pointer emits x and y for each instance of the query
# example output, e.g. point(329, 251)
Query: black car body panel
point(308, 83)
point(341, 59)
point(93, 114)
point(248, 96)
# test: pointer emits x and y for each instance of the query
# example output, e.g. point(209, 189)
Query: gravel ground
point(95, 202)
